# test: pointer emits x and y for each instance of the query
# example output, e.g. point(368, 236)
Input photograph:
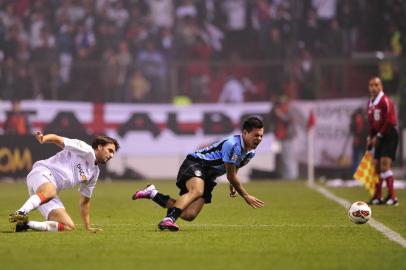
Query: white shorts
point(38, 176)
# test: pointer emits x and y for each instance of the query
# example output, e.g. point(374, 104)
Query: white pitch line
point(231, 225)
point(390, 234)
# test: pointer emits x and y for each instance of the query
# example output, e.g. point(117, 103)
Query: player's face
point(375, 87)
point(105, 153)
point(252, 139)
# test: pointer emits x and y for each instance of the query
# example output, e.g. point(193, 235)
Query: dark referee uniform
point(208, 163)
point(382, 124)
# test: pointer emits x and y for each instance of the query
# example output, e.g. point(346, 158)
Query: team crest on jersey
point(234, 157)
point(198, 173)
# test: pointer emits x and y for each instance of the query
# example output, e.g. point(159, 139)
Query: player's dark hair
point(252, 122)
point(103, 140)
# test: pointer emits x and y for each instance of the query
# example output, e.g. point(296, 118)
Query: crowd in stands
point(207, 50)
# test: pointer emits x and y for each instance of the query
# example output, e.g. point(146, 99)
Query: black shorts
point(191, 168)
point(387, 145)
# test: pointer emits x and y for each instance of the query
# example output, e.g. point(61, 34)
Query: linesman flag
point(366, 173)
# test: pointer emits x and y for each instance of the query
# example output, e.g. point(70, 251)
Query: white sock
point(47, 226)
point(33, 202)
point(153, 193)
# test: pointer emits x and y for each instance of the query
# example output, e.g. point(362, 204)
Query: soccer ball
point(359, 212)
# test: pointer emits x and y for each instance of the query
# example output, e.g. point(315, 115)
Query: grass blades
point(297, 229)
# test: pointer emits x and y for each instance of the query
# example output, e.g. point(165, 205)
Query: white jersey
point(74, 165)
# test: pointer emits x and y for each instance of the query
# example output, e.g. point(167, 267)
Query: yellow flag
point(366, 173)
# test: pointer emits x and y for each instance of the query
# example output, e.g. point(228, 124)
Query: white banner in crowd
point(332, 138)
point(154, 138)
point(149, 129)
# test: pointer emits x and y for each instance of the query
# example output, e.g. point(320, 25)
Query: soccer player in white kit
point(76, 164)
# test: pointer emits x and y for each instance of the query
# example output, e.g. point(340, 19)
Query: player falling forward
point(76, 164)
point(197, 175)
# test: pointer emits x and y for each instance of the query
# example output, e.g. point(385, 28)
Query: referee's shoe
point(391, 201)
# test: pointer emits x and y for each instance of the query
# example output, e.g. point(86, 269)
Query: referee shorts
point(387, 145)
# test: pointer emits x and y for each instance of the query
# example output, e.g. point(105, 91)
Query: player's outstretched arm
point(235, 182)
point(49, 138)
point(85, 214)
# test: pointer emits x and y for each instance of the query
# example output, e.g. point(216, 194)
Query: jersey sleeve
point(388, 116)
point(86, 188)
point(79, 147)
point(230, 153)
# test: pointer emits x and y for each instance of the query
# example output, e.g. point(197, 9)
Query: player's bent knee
point(188, 217)
point(197, 193)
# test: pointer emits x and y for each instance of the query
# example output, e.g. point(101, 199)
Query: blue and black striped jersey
point(229, 150)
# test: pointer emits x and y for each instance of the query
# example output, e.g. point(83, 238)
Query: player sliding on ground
point(76, 164)
point(197, 175)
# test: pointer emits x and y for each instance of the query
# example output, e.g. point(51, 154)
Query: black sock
point(161, 199)
point(174, 213)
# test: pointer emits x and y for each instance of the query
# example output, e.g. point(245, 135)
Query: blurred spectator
point(118, 14)
point(309, 32)
point(276, 50)
point(284, 128)
point(197, 77)
point(167, 43)
point(187, 33)
point(66, 46)
point(123, 65)
point(236, 25)
point(85, 39)
point(107, 35)
point(136, 34)
point(303, 72)
point(283, 21)
point(326, 11)
point(186, 8)
point(161, 13)
point(11, 42)
point(45, 75)
point(348, 16)
point(359, 132)
point(139, 87)
point(333, 40)
point(262, 15)
point(17, 121)
point(234, 90)
point(109, 76)
point(8, 77)
point(152, 64)
point(23, 84)
point(214, 36)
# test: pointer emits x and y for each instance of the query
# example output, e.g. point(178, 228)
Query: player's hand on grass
point(94, 229)
point(254, 202)
point(233, 192)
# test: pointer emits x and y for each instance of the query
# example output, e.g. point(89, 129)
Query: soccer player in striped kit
point(383, 137)
point(197, 175)
point(77, 164)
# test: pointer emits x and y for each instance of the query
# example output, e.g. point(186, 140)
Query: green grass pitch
point(297, 229)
